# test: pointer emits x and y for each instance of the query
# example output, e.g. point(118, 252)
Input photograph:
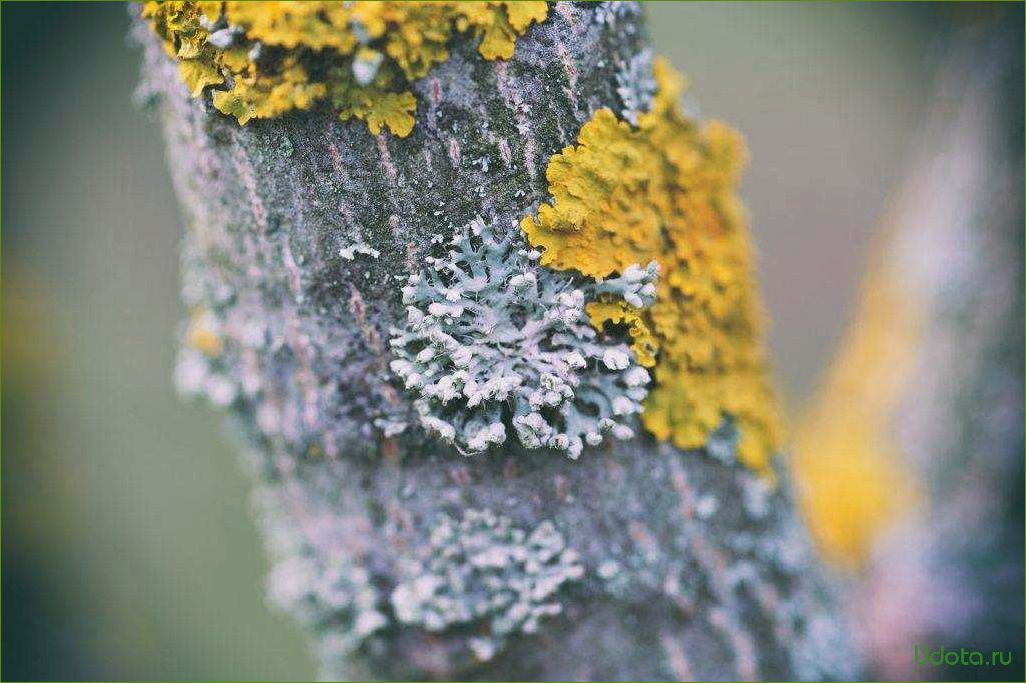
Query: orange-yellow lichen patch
point(202, 334)
point(619, 312)
point(665, 191)
point(275, 57)
point(848, 467)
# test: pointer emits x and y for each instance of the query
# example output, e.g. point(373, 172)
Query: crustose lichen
point(492, 341)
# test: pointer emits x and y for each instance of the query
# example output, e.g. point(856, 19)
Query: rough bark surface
point(676, 565)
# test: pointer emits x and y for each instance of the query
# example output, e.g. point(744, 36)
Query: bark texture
point(657, 563)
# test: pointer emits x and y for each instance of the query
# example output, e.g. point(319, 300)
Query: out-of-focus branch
point(911, 459)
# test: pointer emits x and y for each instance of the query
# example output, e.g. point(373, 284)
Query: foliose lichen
point(612, 12)
point(493, 342)
point(331, 593)
point(485, 571)
point(664, 190)
point(331, 596)
point(636, 85)
point(263, 59)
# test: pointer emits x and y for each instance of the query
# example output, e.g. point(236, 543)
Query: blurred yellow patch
point(203, 335)
point(853, 480)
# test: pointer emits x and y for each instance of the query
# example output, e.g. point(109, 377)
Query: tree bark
point(660, 564)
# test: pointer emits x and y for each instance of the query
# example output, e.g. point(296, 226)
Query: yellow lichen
point(202, 333)
point(376, 107)
point(850, 471)
point(255, 96)
point(665, 190)
point(619, 312)
point(265, 59)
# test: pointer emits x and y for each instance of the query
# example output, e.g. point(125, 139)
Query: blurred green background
point(128, 552)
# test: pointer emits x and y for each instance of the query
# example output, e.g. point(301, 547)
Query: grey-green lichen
point(335, 596)
point(485, 571)
point(477, 575)
point(329, 590)
point(636, 85)
point(615, 12)
point(492, 342)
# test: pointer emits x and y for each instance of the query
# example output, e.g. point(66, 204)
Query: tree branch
point(405, 559)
